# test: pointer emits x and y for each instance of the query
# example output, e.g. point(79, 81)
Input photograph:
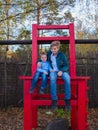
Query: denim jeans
point(36, 77)
point(65, 76)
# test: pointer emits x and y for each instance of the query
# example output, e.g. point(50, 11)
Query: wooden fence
point(11, 88)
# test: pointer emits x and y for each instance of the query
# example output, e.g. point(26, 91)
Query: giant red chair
point(79, 86)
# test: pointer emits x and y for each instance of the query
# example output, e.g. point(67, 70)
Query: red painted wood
point(74, 117)
point(72, 51)
point(74, 95)
point(73, 79)
point(82, 106)
point(34, 48)
point(51, 27)
point(53, 38)
point(27, 106)
point(47, 102)
point(34, 116)
point(78, 83)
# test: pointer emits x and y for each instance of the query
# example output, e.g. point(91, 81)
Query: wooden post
point(82, 106)
point(27, 106)
point(72, 51)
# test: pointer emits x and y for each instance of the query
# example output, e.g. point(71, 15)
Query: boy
point(59, 64)
point(43, 67)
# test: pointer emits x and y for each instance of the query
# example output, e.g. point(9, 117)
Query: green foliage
point(69, 16)
point(24, 53)
point(60, 113)
point(13, 16)
point(24, 34)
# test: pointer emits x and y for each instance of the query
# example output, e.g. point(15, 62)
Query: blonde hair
point(55, 43)
point(43, 53)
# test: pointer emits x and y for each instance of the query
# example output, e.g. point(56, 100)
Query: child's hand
point(45, 72)
point(51, 70)
point(38, 64)
point(60, 73)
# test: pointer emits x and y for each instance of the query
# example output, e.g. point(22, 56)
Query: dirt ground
point(12, 118)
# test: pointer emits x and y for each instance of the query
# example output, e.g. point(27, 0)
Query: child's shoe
point(54, 105)
point(31, 90)
point(67, 103)
point(41, 91)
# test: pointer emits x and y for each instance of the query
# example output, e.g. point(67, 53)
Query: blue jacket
point(61, 61)
point(45, 66)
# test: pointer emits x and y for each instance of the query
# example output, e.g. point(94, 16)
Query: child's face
point(43, 58)
point(54, 50)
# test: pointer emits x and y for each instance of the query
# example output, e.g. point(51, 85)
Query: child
point(43, 67)
point(59, 64)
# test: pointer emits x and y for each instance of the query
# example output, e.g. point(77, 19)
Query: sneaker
point(41, 91)
point(54, 105)
point(31, 90)
point(67, 102)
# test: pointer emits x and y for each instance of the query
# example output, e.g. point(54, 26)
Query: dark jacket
point(61, 61)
